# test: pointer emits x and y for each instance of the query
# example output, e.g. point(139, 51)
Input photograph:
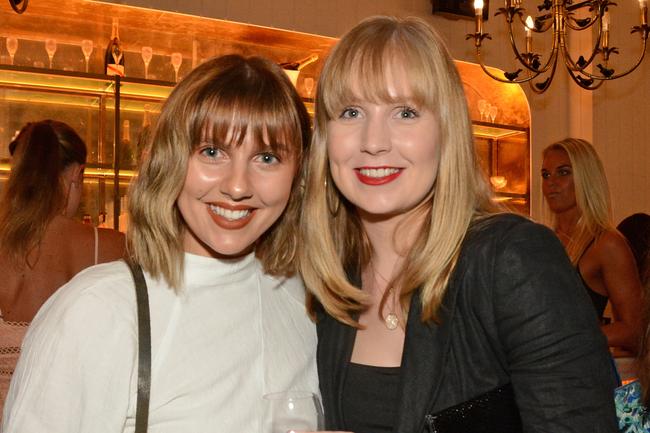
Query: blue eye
point(268, 158)
point(408, 113)
point(210, 151)
point(349, 113)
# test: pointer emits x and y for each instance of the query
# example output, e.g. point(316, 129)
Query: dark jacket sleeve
point(557, 356)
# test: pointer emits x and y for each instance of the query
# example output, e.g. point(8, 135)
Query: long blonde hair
point(230, 95)
point(592, 195)
point(333, 239)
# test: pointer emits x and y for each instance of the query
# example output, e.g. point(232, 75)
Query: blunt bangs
point(230, 107)
point(374, 59)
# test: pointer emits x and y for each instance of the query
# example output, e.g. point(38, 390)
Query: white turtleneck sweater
point(232, 335)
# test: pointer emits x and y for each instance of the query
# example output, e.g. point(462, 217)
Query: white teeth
point(378, 172)
point(228, 214)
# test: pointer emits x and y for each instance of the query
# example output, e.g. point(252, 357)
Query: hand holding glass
point(292, 411)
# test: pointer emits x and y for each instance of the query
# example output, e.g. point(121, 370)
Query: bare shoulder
point(612, 241)
point(112, 245)
point(612, 251)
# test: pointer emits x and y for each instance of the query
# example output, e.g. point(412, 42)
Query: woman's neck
point(566, 223)
point(391, 240)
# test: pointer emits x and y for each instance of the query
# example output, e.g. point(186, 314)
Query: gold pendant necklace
point(391, 321)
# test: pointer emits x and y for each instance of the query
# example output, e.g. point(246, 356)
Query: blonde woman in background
point(577, 195)
point(42, 243)
point(436, 313)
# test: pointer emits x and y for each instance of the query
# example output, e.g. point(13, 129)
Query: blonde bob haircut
point(592, 195)
point(333, 240)
point(222, 100)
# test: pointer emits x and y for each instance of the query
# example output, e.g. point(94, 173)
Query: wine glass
point(292, 410)
point(482, 107)
point(147, 55)
point(177, 59)
point(50, 47)
point(87, 49)
point(492, 111)
point(308, 84)
point(12, 47)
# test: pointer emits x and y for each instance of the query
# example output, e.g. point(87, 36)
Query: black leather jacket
point(514, 312)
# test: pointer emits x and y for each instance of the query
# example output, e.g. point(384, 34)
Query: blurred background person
point(636, 229)
point(42, 243)
point(633, 399)
point(576, 192)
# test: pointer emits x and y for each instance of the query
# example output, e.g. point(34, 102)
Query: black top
point(370, 398)
point(514, 312)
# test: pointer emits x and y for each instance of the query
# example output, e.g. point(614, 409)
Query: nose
point(236, 183)
point(376, 136)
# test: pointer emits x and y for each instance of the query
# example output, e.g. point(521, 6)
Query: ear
point(77, 172)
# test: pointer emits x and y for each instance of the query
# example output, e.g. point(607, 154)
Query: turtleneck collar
point(200, 270)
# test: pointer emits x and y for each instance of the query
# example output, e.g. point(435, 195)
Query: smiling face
point(232, 194)
point(557, 181)
point(384, 155)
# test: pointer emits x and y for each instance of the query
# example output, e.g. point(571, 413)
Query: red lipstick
point(368, 180)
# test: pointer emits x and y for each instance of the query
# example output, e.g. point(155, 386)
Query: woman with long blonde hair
point(577, 195)
point(435, 311)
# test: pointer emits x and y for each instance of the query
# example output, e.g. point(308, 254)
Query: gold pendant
point(391, 321)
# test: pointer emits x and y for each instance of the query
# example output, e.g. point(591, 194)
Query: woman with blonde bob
point(213, 213)
point(435, 312)
point(577, 196)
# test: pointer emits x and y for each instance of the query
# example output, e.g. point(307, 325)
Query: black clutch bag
point(493, 412)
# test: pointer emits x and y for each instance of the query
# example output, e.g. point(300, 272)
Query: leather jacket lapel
point(426, 349)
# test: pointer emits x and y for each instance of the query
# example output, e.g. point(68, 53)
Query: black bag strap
point(144, 349)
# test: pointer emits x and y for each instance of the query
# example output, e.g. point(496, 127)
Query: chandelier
point(560, 16)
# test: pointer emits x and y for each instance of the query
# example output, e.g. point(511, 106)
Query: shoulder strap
point(144, 349)
point(584, 251)
point(96, 244)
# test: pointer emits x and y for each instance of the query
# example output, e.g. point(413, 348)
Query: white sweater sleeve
point(76, 370)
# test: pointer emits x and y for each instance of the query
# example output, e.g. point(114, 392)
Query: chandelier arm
point(596, 16)
point(580, 65)
point(522, 58)
point(622, 74)
point(542, 86)
point(500, 79)
point(585, 83)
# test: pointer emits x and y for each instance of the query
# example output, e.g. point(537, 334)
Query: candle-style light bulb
point(605, 37)
point(642, 3)
point(530, 24)
point(478, 7)
point(606, 21)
